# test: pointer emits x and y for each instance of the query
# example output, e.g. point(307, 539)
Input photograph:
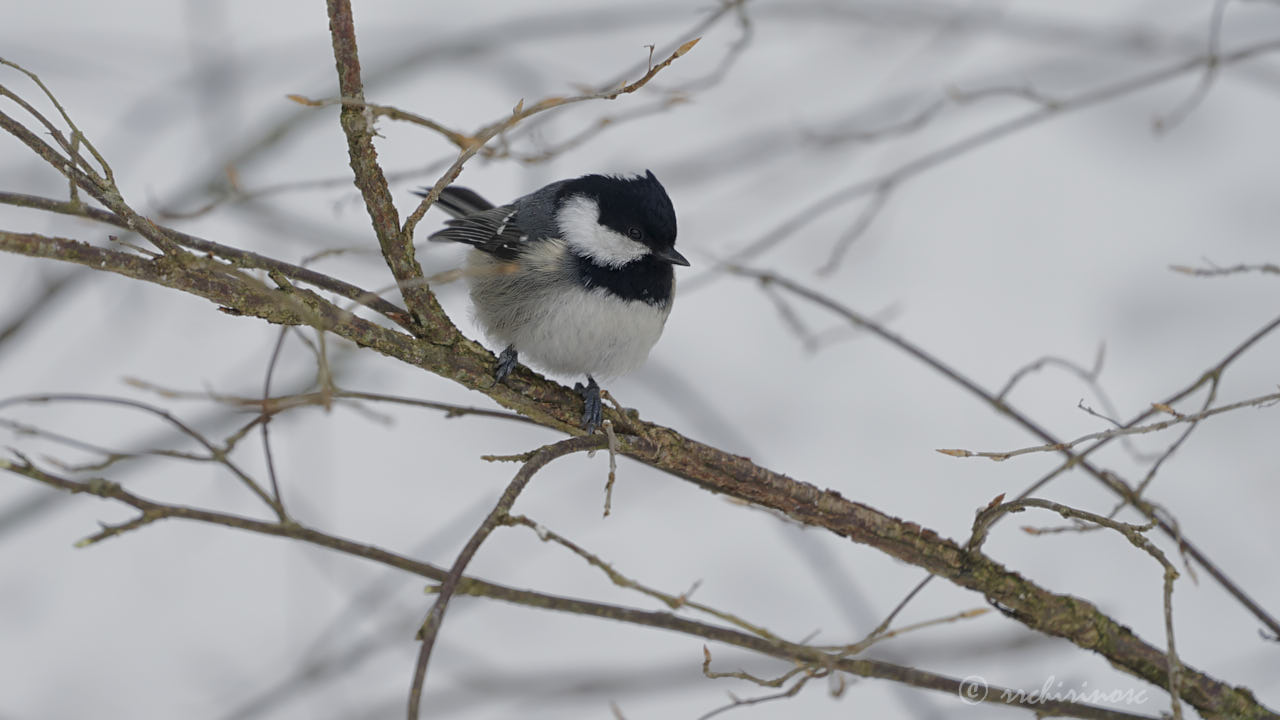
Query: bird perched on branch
point(576, 277)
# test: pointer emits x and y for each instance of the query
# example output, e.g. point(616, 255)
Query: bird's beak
point(671, 256)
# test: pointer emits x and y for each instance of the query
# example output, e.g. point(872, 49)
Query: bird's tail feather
point(458, 201)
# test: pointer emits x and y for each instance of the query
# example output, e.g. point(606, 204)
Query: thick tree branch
point(557, 406)
point(237, 257)
point(151, 511)
point(1109, 479)
point(77, 170)
point(397, 247)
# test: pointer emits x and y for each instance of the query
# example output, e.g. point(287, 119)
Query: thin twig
point(521, 112)
point(1133, 533)
point(674, 602)
point(1265, 268)
point(663, 448)
point(239, 258)
point(859, 228)
point(883, 633)
point(613, 465)
point(1192, 422)
point(470, 586)
point(266, 417)
point(215, 454)
point(1118, 432)
point(982, 138)
point(558, 407)
point(460, 139)
point(806, 673)
point(431, 626)
point(286, 402)
point(1090, 376)
point(1167, 122)
point(41, 302)
point(1110, 480)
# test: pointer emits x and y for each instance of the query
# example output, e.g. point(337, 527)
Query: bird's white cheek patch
point(581, 230)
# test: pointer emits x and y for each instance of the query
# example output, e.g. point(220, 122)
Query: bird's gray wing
point(496, 231)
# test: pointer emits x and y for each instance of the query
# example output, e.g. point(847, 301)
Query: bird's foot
point(507, 362)
point(592, 408)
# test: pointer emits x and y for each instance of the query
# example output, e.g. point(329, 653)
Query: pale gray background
point(1050, 241)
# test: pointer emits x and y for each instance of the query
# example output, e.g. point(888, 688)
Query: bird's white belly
point(583, 332)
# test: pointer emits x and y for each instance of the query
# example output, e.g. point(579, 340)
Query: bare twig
point(675, 94)
point(110, 457)
point(658, 446)
point(558, 407)
point(1192, 422)
point(469, 586)
point(1262, 401)
point(519, 113)
point(39, 303)
point(431, 626)
point(1090, 376)
point(1133, 533)
point(266, 417)
point(286, 402)
point(550, 24)
point(914, 167)
point(239, 258)
point(77, 137)
point(216, 454)
point(1022, 92)
point(607, 425)
point(66, 161)
point(806, 674)
point(883, 633)
point(428, 318)
point(1215, 271)
point(1167, 122)
point(674, 602)
point(867, 216)
point(1110, 480)
point(462, 140)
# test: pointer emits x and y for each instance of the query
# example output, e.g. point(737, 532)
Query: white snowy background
point(1055, 239)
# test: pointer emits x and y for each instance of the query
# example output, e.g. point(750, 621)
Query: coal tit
point(576, 277)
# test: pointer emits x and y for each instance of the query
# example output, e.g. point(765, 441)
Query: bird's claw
point(507, 362)
point(592, 407)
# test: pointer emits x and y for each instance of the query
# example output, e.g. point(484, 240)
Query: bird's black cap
point(631, 204)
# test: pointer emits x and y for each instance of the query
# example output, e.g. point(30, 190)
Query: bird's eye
point(635, 233)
